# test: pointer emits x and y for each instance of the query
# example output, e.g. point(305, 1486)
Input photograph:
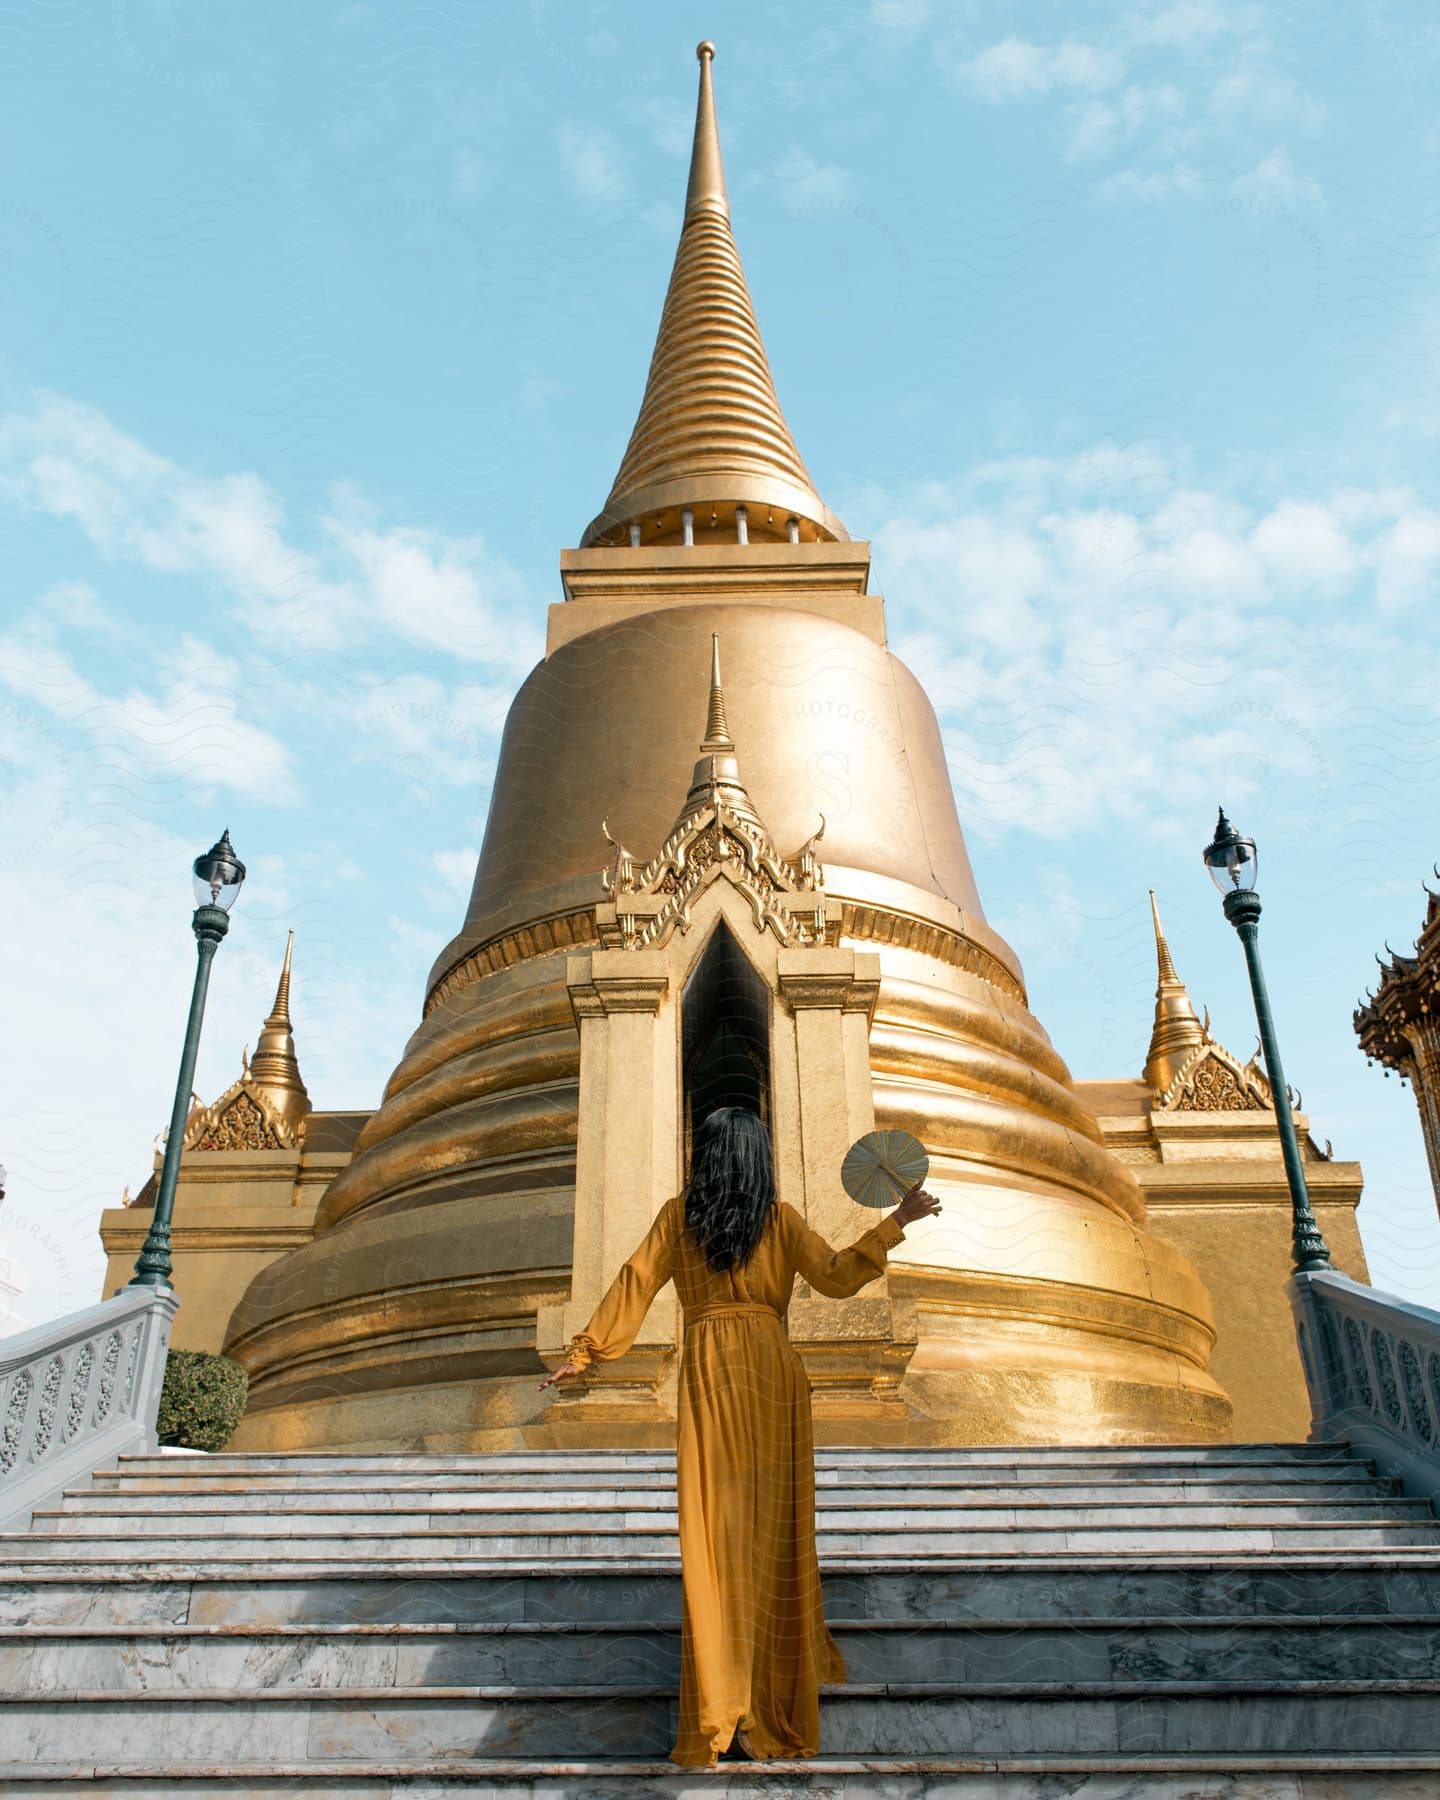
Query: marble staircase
point(1248, 1620)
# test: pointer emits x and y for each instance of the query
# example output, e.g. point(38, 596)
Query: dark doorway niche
point(725, 1034)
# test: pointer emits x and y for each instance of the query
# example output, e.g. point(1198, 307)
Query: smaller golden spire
point(716, 780)
point(275, 1066)
point(717, 732)
point(1176, 1031)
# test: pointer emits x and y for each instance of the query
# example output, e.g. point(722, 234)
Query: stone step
point(905, 1541)
point(1273, 1776)
point(311, 1729)
point(833, 1778)
point(605, 1654)
point(1404, 1583)
point(1010, 1456)
point(272, 1486)
point(100, 1515)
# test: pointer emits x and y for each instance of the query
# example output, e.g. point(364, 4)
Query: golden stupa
point(790, 921)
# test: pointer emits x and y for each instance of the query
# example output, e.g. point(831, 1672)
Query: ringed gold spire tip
point(717, 730)
point(1176, 1031)
point(1162, 949)
point(280, 1011)
point(275, 1066)
point(706, 189)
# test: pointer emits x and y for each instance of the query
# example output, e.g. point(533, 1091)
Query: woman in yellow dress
point(754, 1645)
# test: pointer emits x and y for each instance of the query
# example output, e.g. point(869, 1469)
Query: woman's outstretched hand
point(917, 1204)
point(565, 1370)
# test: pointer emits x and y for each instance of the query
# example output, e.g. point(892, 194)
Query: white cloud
point(69, 460)
point(1276, 179)
point(592, 162)
point(431, 736)
point(1179, 95)
point(1304, 545)
point(672, 126)
point(1111, 655)
point(189, 724)
point(1103, 127)
point(804, 184)
point(422, 586)
point(450, 594)
point(1167, 182)
point(900, 15)
point(1015, 69)
point(1251, 91)
point(457, 867)
point(993, 571)
point(1409, 561)
point(1189, 24)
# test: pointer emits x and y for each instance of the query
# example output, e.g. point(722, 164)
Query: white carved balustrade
point(1372, 1362)
point(77, 1393)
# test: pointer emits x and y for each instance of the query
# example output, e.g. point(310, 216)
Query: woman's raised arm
point(840, 1273)
point(621, 1313)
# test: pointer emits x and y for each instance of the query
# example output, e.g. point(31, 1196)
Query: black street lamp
point(1232, 861)
point(218, 875)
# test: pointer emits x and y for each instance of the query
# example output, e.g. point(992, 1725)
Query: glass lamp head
point(218, 875)
point(1230, 858)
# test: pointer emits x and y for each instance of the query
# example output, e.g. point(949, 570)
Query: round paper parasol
point(882, 1166)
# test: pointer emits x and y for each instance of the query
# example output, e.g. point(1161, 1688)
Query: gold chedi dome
point(790, 923)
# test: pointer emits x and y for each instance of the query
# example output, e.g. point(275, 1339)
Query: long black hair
point(732, 1187)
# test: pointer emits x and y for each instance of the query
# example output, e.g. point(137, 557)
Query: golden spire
point(717, 732)
point(710, 435)
point(717, 773)
point(274, 1066)
point(1176, 1031)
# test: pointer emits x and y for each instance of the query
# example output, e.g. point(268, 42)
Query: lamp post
point(217, 878)
point(1231, 860)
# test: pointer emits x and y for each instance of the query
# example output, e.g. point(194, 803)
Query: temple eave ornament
point(718, 835)
point(1399, 1026)
point(1212, 1080)
point(1404, 1011)
point(243, 1118)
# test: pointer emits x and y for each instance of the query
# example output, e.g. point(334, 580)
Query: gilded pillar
point(849, 1347)
point(626, 1167)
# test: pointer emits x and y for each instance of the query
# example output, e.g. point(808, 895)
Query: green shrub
point(202, 1400)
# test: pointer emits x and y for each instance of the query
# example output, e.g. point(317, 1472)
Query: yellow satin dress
point(755, 1647)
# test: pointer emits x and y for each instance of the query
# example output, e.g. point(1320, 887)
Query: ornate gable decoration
point(718, 837)
point(1211, 1080)
point(243, 1118)
point(646, 906)
point(1399, 1023)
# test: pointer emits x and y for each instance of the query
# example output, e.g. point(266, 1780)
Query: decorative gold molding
point(1057, 1305)
point(592, 995)
point(537, 937)
point(879, 925)
point(576, 927)
point(835, 989)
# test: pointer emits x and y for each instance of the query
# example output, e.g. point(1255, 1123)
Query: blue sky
point(1115, 329)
